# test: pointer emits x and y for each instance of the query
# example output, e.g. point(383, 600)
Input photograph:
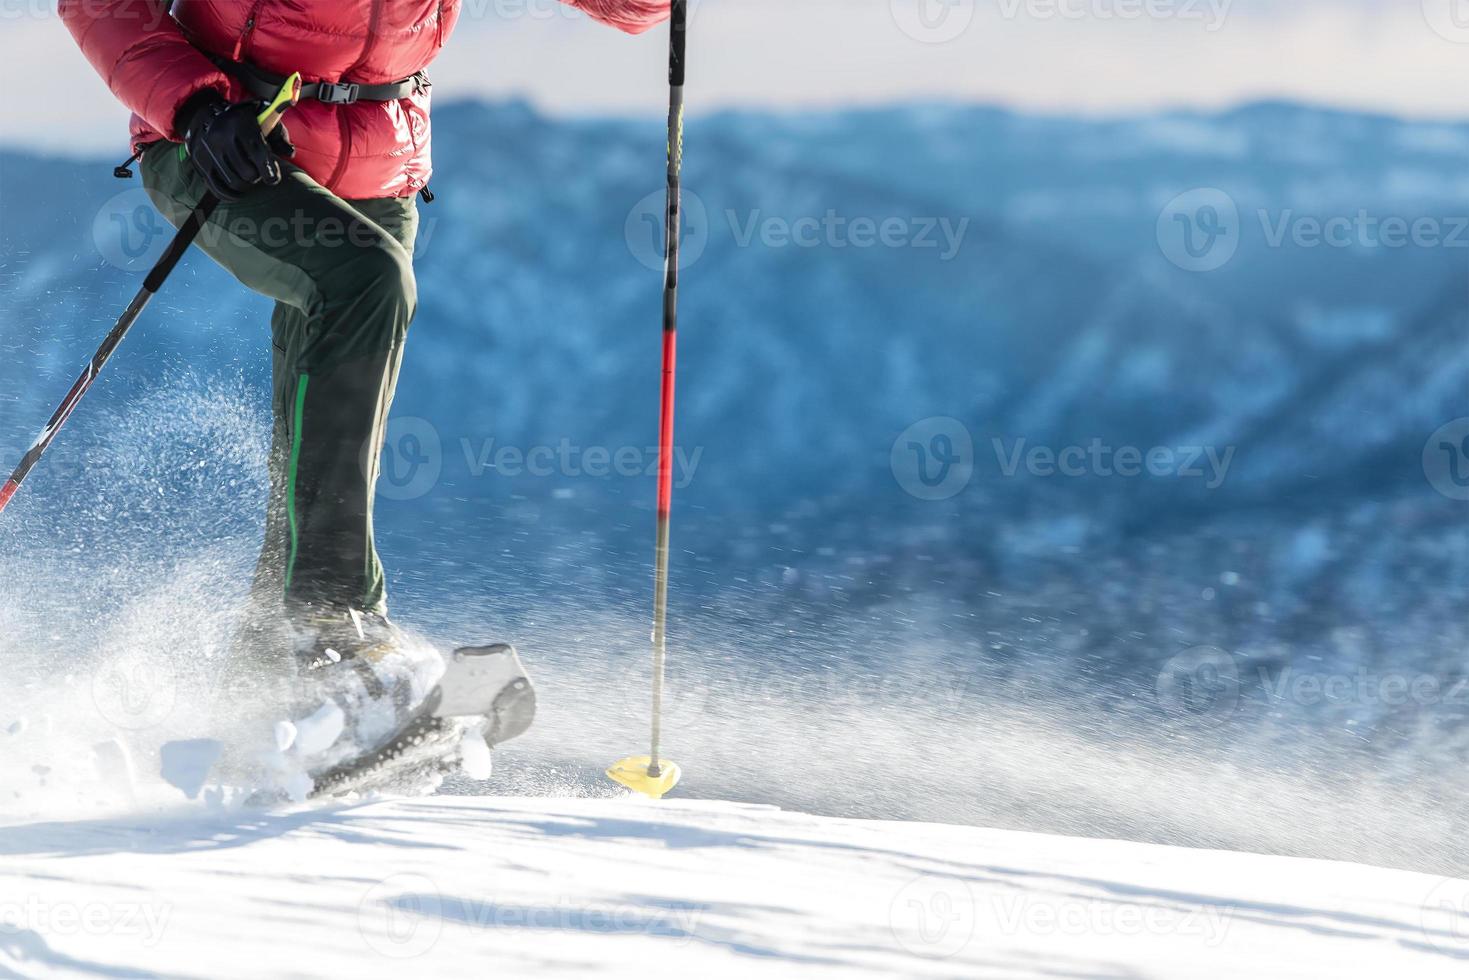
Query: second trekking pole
point(652, 774)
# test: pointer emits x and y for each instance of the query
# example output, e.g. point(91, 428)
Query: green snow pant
point(341, 275)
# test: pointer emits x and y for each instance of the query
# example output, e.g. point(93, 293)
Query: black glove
point(227, 148)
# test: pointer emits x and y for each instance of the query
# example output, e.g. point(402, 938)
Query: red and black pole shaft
point(269, 118)
point(672, 224)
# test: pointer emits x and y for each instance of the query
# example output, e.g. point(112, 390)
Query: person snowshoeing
point(320, 217)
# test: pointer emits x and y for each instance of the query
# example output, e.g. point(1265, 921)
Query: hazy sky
point(1404, 56)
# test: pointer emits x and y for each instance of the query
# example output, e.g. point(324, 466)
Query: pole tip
point(640, 775)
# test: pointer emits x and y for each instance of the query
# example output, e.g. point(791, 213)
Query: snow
point(113, 762)
point(474, 756)
point(615, 887)
point(187, 764)
point(319, 731)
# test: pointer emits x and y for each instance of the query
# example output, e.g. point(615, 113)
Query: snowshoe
point(367, 708)
point(484, 699)
point(362, 683)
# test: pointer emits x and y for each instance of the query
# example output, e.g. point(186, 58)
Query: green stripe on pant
point(298, 423)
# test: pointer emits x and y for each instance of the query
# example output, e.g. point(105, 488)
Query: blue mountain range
point(874, 303)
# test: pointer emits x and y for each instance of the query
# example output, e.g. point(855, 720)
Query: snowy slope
point(537, 888)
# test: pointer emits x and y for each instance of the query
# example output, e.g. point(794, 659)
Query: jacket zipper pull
point(123, 171)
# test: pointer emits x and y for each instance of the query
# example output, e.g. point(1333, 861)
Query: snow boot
point(360, 682)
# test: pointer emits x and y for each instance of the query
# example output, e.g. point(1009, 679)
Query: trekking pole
point(653, 775)
point(269, 118)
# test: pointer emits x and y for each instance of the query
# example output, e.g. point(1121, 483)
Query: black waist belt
point(267, 85)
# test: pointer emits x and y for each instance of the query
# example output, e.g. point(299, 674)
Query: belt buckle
point(338, 93)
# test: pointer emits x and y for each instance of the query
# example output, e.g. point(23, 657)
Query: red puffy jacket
point(153, 62)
